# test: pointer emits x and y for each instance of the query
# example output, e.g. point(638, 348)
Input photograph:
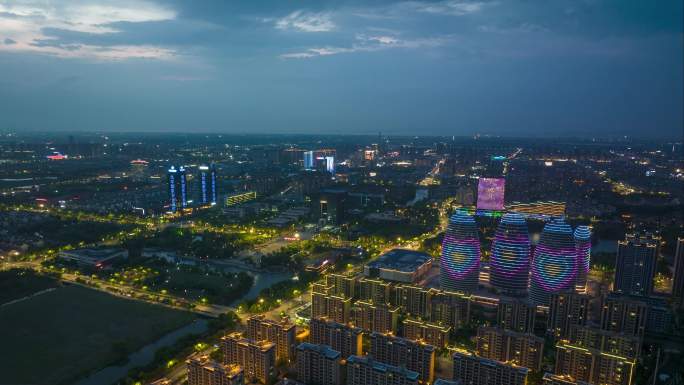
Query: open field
point(58, 336)
point(18, 283)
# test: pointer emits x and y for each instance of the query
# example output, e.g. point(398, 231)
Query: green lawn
point(58, 336)
point(17, 283)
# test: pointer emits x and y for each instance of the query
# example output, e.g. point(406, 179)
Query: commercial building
point(318, 365)
point(554, 265)
point(460, 262)
point(522, 349)
point(636, 264)
point(204, 371)
point(592, 365)
point(343, 338)
point(281, 333)
point(473, 370)
point(93, 258)
point(332, 205)
point(516, 314)
point(566, 310)
point(207, 180)
point(257, 358)
point(239, 198)
point(399, 265)
point(433, 334)
point(367, 371)
point(582, 237)
point(510, 261)
point(414, 355)
point(308, 160)
point(178, 189)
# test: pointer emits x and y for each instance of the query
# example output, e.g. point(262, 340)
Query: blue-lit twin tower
point(207, 185)
point(560, 261)
point(178, 187)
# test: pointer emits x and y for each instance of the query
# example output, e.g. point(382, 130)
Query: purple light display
point(460, 261)
point(510, 262)
point(554, 267)
point(490, 193)
point(583, 248)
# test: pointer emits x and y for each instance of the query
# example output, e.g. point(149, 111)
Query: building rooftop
point(324, 350)
point(401, 259)
point(381, 367)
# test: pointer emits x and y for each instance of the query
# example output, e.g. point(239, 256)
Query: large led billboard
point(490, 194)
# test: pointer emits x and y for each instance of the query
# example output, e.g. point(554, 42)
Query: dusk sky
point(451, 67)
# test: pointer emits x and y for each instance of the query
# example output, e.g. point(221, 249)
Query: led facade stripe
point(583, 248)
point(173, 198)
point(183, 187)
point(460, 262)
point(554, 267)
point(510, 262)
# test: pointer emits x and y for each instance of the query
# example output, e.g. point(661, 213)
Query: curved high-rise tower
point(583, 249)
point(554, 266)
point(460, 262)
point(510, 262)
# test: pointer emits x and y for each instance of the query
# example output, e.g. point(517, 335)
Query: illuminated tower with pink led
point(460, 261)
point(554, 266)
point(510, 262)
point(583, 248)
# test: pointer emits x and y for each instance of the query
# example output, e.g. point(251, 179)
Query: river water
point(144, 356)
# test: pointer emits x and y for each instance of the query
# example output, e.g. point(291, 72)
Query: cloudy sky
point(448, 67)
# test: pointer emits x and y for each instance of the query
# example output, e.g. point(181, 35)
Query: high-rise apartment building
point(204, 371)
point(257, 358)
point(566, 310)
point(592, 365)
point(342, 338)
point(380, 318)
point(624, 314)
point(522, 349)
point(318, 365)
point(473, 370)
point(414, 355)
point(516, 314)
point(449, 309)
point(433, 334)
point(635, 265)
point(281, 333)
point(364, 370)
point(619, 344)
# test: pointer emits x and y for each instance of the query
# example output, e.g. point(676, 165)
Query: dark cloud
point(443, 67)
point(9, 41)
